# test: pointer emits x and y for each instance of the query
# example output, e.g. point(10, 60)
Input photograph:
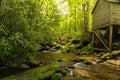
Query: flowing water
point(100, 71)
point(95, 70)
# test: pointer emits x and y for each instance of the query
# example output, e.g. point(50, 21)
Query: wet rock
point(114, 62)
point(57, 47)
point(75, 41)
point(74, 60)
point(43, 62)
point(62, 71)
point(80, 73)
point(85, 42)
point(77, 54)
point(86, 61)
point(2, 63)
point(59, 60)
point(56, 76)
point(33, 64)
point(74, 78)
point(24, 66)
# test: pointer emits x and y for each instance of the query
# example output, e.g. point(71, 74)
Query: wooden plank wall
point(101, 14)
point(115, 14)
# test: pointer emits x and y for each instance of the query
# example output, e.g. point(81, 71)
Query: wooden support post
point(110, 36)
point(93, 39)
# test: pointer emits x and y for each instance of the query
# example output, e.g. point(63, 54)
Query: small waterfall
point(80, 65)
point(70, 71)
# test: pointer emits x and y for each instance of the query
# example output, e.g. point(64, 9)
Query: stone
point(24, 66)
point(59, 60)
point(56, 76)
point(114, 62)
point(80, 73)
point(33, 64)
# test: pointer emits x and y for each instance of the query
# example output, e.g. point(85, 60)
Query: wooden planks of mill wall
point(115, 14)
point(101, 14)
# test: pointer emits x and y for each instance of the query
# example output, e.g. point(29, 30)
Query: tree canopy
point(25, 24)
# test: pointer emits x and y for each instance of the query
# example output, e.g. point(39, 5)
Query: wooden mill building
point(106, 25)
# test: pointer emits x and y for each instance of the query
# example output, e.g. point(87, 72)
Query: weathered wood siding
point(115, 8)
point(101, 14)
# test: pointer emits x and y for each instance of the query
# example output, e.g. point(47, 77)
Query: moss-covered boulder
point(56, 76)
point(39, 73)
point(111, 55)
point(62, 71)
point(86, 61)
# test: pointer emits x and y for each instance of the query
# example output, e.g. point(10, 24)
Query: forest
point(53, 40)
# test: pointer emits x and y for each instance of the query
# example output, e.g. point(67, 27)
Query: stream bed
point(95, 71)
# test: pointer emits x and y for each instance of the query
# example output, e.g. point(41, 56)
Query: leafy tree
point(24, 24)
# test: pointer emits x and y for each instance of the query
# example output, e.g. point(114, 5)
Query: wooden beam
point(93, 39)
point(101, 40)
point(98, 49)
point(102, 37)
point(110, 36)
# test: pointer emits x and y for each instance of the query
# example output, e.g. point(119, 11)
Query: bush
point(17, 49)
point(87, 49)
point(17, 41)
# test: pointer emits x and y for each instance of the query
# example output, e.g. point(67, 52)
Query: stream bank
point(73, 68)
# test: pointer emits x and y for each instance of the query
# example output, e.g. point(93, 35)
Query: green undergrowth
point(106, 56)
point(86, 61)
point(87, 49)
point(40, 73)
point(79, 46)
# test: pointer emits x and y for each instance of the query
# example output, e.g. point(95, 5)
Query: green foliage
point(45, 73)
point(23, 26)
point(81, 45)
point(56, 76)
point(17, 49)
point(76, 17)
point(87, 49)
point(62, 71)
point(39, 73)
point(68, 47)
point(108, 55)
point(86, 61)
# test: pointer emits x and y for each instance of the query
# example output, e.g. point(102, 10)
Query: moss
point(87, 49)
point(62, 71)
point(106, 56)
point(39, 73)
point(109, 55)
point(74, 78)
point(56, 76)
point(87, 61)
point(45, 73)
point(68, 47)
